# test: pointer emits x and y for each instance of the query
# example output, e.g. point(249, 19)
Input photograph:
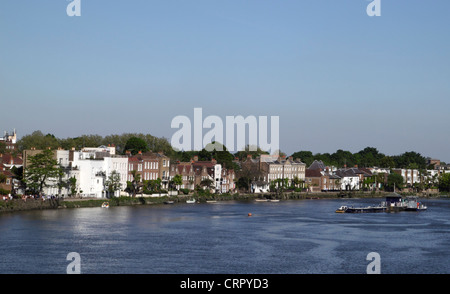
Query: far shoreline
point(67, 203)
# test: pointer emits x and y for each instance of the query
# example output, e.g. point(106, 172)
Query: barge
point(394, 202)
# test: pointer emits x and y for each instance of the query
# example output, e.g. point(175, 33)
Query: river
point(288, 237)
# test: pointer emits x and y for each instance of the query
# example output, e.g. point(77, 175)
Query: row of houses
point(266, 170)
point(91, 167)
point(208, 174)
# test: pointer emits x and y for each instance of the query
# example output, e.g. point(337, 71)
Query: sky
point(336, 77)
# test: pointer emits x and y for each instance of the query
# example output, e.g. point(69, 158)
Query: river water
point(288, 237)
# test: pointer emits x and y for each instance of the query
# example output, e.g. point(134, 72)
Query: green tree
point(135, 144)
point(444, 182)
point(135, 186)
point(2, 179)
point(306, 157)
point(220, 153)
point(394, 181)
point(242, 155)
point(207, 183)
point(177, 181)
point(73, 186)
point(42, 170)
point(113, 183)
point(154, 185)
point(39, 141)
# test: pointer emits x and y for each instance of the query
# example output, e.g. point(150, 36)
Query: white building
point(410, 176)
point(92, 169)
point(350, 179)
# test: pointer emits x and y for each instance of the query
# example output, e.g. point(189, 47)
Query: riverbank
point(38, 204)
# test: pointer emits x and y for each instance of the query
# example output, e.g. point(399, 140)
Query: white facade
point(350, 183)
point(410, 176)
point(92, 172)
point(218, 177)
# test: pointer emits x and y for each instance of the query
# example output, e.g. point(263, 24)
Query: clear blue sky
point(337, 78)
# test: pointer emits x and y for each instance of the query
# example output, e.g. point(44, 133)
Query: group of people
point(42, 197)
point(7, 197)
point(25, 197)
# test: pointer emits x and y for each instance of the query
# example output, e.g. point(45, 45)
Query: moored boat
point(367, 209)
point(413, 204)
point(190, 201)
point(105, 205)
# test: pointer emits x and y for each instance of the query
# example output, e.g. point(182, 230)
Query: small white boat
point(105, 205)
point(211, 201)
point(274, 200)
point(190, 201)
point(261, 200)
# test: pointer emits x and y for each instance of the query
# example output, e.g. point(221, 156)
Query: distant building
point(8, 162)
point(10, 140)
point(319, 177)
point(269, 168)
point(195, 171)
point(433, 162)
point(91, 167)
point(410, 176)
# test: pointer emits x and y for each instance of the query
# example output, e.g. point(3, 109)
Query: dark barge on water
point(394, 202)
point(346, 209)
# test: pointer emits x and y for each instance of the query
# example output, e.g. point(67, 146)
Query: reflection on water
point(303, 236)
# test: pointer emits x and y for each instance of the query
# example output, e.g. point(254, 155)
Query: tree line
point(368, 157)
point(38, 140)
point(134, 142)
point(37, 175)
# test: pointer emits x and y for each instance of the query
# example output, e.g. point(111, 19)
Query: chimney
point(249, 156)
point(140, 152)
point(195, 158)
point(356, 165)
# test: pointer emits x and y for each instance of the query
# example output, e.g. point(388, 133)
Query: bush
point(4, 192)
